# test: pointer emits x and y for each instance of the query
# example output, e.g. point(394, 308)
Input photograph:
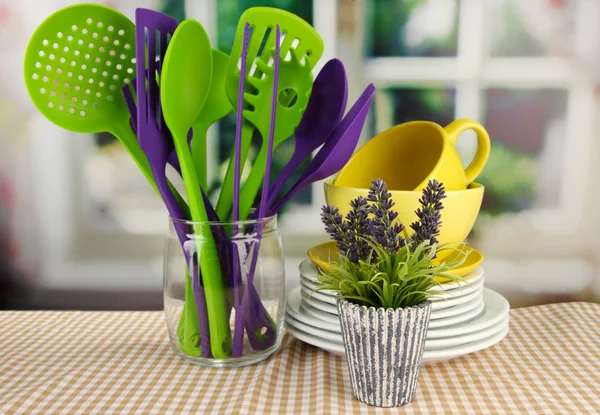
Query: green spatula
point(299, 35)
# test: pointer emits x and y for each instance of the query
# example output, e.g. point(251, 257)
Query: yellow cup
point(408, 155)
point(460, 211)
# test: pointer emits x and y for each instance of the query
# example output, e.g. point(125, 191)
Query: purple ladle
point(336, 151)
point(324, 112)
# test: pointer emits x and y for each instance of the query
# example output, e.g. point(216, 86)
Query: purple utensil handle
point(153, 135)
point(337, 150)
point(238, 330)
point(258, 338)
point(323, 113)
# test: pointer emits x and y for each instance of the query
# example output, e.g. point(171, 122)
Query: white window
point(525, 69)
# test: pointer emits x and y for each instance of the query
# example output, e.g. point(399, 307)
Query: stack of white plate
point(469, 317)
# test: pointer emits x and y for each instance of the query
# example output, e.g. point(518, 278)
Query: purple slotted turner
point(324, 112)
point(337, 149)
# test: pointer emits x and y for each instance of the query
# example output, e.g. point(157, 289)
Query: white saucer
point(459, 318)
point(429, 355)
point(295, 308)
point(457, 309)
point(318, 314)
point(496, 310)
point(483, 331)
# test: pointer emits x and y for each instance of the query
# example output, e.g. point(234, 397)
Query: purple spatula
point(323, 113)
point(154, 140)
point(337, 149)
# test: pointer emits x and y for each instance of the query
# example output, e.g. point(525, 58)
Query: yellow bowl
point(460, 211)
point(324, 254)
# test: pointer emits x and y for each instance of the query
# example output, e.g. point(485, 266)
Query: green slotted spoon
point(297, 35)
point(76, 63)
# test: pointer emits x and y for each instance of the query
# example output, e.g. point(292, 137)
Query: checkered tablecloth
point(121, 362)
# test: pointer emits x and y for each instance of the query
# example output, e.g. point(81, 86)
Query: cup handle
point(453, 131)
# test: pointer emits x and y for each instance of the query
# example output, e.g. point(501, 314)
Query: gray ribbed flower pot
point(384, 349)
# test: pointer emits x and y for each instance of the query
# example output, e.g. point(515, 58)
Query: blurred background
point(81, 228)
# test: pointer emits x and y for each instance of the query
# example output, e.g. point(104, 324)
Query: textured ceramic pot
point(384, 349)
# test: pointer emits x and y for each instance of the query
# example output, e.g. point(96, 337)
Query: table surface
point(121, 362)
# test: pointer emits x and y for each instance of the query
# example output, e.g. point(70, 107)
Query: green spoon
point(299, 35)
point(185, 81)
point(216, 107)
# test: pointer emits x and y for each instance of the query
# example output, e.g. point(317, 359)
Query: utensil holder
point(256, 303)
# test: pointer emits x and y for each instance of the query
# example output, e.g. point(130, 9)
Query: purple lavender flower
point(335, 226)
point(430, 217)
point(382, 229)
point(357, 228)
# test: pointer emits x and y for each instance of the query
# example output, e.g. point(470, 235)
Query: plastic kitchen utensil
point(323, 113)
point(410, 154)
point(238, 332)
point(216, 107)
point(266, 332)
point(461, 208)
point(337, 149)
point(308, 46)
point(185, 81)
point(76, 63)
point(152, 32)
point(293, 76)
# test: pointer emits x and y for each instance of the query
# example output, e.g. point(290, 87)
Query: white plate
point(459, 318)
point(464, 289)
point(444, 354)
point(329, 307)
point(445, 342)
point(457, 309)
point(321, 305)
point(496, 309)
point(319, 314)
point(429, 356)
point(323, 334)
point(309, 270)
point(295, 308)
point(309, 292)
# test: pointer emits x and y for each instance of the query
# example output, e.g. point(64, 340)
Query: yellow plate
point(322, 255)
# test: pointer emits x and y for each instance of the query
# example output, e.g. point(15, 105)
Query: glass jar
point(224, 290)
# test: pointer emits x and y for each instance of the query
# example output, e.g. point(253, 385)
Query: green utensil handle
point(220, 333)
point(253, 183)
point(225, 201)
point(127, 137)
point(199, 153)
point(188, 329)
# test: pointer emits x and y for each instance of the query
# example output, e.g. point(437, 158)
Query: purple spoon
point(337, 150)
point(251, 302)
point(152, 136)
point(323, 113)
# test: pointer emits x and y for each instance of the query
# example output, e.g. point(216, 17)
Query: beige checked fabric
point(121, 362)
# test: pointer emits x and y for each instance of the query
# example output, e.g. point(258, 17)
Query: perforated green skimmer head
point(76, 63)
